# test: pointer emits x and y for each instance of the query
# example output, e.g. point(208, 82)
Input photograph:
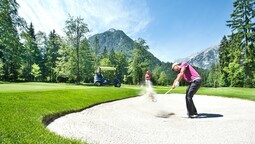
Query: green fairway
point(243, 93)
point(24, 105)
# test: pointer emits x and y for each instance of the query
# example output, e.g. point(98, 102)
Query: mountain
point(120, 42)
point(203, 59)
point(115, 39)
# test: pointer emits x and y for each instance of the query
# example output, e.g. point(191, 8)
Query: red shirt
point(147, 76)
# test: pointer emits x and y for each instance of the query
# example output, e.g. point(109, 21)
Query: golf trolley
point(106, 76)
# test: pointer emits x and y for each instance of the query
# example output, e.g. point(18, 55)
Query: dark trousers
point(191, 90)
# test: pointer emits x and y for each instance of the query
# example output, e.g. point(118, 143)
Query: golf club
point(168, 91)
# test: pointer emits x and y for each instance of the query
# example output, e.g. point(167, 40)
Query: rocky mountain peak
point(112, 30)
point(203, 59)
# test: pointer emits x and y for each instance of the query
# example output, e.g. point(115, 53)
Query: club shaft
point(169, 91)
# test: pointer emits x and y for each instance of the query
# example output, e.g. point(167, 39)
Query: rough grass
point(24, 105)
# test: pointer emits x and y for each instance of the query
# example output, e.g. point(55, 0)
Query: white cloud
point(131, 16)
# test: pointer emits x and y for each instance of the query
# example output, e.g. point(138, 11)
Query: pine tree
point(121, 65)
point(105, 53)
point(214, 76)
point(243, 25)
point(10, 46)
point(234, 67)
point(31, 54)
point(52, 47)
point(112, 57)
point(41, 39)
point(224, 51)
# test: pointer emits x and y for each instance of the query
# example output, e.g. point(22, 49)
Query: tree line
point(26, 55)
point(29, 56)
point(236, 67)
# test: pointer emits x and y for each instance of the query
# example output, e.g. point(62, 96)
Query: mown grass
point(232, 92)
point(24, 105)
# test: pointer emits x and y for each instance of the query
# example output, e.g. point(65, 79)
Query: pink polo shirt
point(147, 76)
point(190, 73)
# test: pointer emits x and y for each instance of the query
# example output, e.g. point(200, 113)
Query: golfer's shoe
point(193, 116)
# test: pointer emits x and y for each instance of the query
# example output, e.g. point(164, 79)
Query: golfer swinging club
point(189, 74)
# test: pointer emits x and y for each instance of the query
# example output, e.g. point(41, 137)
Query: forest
point(236, 67)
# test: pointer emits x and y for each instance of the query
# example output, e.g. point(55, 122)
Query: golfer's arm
point(180, 76)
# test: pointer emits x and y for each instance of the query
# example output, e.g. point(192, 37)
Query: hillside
point(120, 42)
point(115, 39)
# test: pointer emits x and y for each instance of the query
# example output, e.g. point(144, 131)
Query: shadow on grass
point(209, 115)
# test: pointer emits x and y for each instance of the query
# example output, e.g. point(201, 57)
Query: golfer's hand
point(175, 85)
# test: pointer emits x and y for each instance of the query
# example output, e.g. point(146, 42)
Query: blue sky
point(172, 28)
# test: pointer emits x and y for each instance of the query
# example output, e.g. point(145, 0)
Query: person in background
point(149, 90)
point(190, 75)
point(147, 78)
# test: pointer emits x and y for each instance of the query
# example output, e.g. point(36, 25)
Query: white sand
point(141, 121)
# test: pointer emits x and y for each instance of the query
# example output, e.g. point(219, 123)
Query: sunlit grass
point(24, 105)
point(244, 93)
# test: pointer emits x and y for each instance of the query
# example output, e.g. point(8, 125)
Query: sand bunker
point(139, 120)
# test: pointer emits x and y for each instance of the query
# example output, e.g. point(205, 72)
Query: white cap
point(174, 64)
